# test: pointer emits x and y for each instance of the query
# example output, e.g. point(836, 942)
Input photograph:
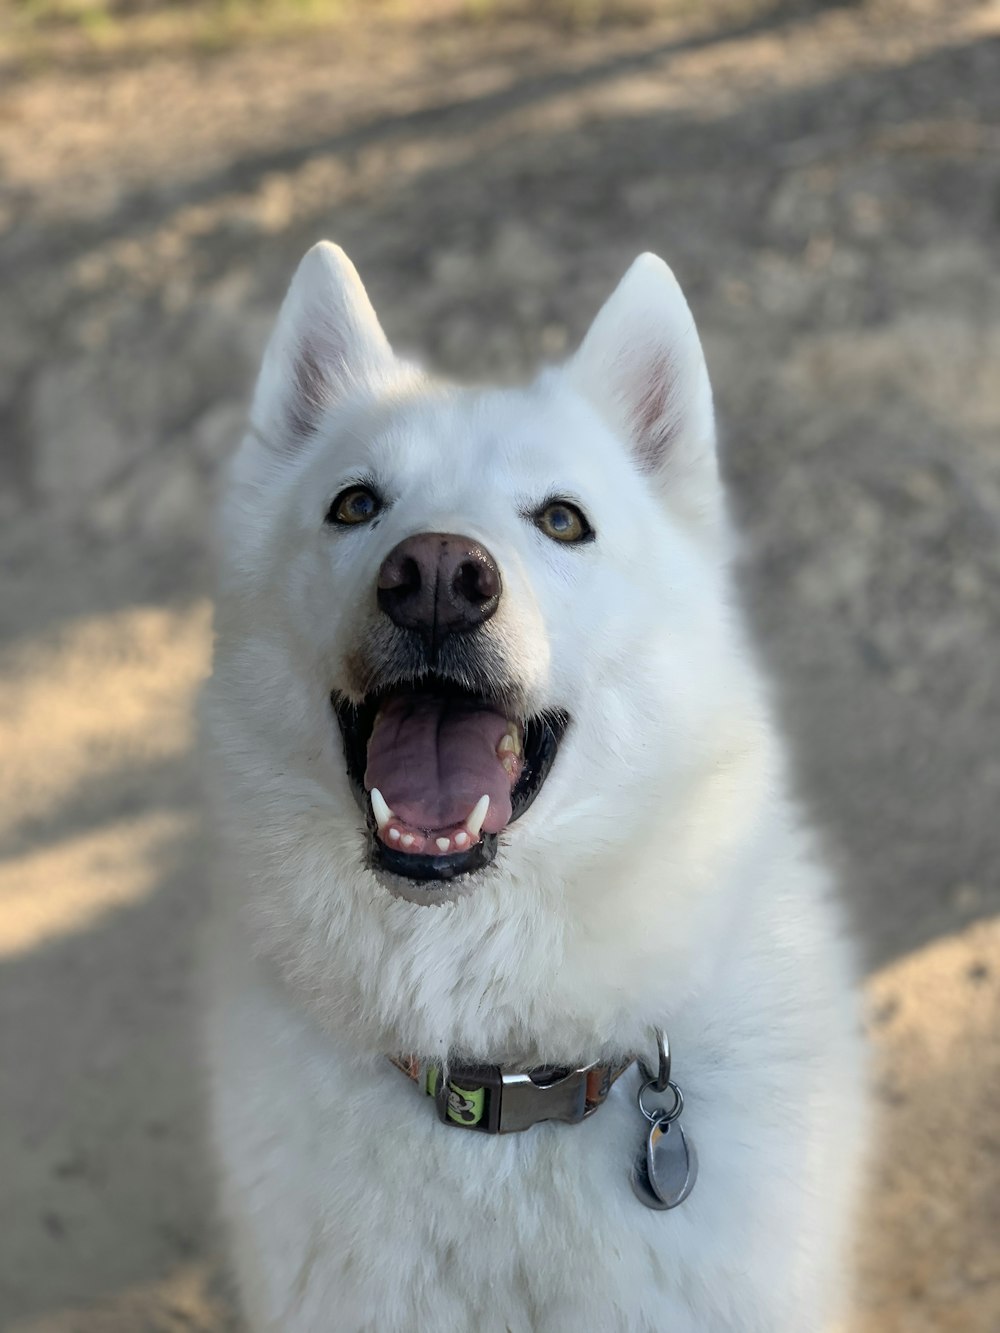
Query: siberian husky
point(530, 1009)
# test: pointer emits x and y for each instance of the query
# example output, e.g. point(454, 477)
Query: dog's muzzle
point(442, 753)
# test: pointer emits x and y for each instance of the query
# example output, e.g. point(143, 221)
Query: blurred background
point(825, 180)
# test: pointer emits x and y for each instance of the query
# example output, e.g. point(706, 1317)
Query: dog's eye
point(355, 505)
point(563, 522)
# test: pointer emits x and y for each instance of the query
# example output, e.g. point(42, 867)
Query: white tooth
point(475, 821)
point(508, 745)
point(461, 839)
point(394, 834)
point(408, 839)
point(380, 810)
point(443, 844)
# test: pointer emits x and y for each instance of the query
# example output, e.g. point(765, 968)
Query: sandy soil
point(826, 181)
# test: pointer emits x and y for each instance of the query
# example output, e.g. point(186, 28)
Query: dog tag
point(641, 1187)
point(664, 1175)
point(671, 1163)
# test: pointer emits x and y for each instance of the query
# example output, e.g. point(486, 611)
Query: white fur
point(661, 877)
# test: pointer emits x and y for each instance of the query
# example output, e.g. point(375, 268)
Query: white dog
point(497, 797)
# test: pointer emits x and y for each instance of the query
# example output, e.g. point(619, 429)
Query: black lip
point(443, 868)
point(542, 736)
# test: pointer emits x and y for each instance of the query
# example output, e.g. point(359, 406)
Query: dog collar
point(495, 1100)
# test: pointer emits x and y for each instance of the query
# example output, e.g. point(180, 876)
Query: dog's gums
point(440, 772)
point(411, 839)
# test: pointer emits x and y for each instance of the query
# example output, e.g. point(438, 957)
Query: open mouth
point(440, 772)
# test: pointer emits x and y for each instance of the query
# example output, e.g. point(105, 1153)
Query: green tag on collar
point(466, 1106)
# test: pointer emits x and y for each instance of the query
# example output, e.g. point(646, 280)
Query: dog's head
point(474, 645)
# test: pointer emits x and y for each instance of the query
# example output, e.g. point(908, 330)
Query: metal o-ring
point(661, 1079)
point(662, 1116)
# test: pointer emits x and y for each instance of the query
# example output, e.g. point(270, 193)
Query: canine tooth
point(475, 821)
point(443, 844)
point(380, 809)
point(461, 839)
point(394, 834)
point(408, 839)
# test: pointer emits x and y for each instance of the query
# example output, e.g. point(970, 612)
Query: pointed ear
point(642, 367)
point(327, 342)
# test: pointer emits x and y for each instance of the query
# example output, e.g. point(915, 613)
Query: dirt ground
point(825, 179)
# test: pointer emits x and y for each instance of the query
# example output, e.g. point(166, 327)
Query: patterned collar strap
point(494, 1100)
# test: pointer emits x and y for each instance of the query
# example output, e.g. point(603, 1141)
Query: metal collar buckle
point(513, 1101)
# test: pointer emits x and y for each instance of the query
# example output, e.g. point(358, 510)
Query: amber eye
point(563, 522)
point(355, 505)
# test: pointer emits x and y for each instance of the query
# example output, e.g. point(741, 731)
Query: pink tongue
point(432, 760)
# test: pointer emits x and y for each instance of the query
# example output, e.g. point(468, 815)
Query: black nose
point(439, 584)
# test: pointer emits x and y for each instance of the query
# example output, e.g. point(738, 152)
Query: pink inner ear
point(315, 373)
point(648, 404)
